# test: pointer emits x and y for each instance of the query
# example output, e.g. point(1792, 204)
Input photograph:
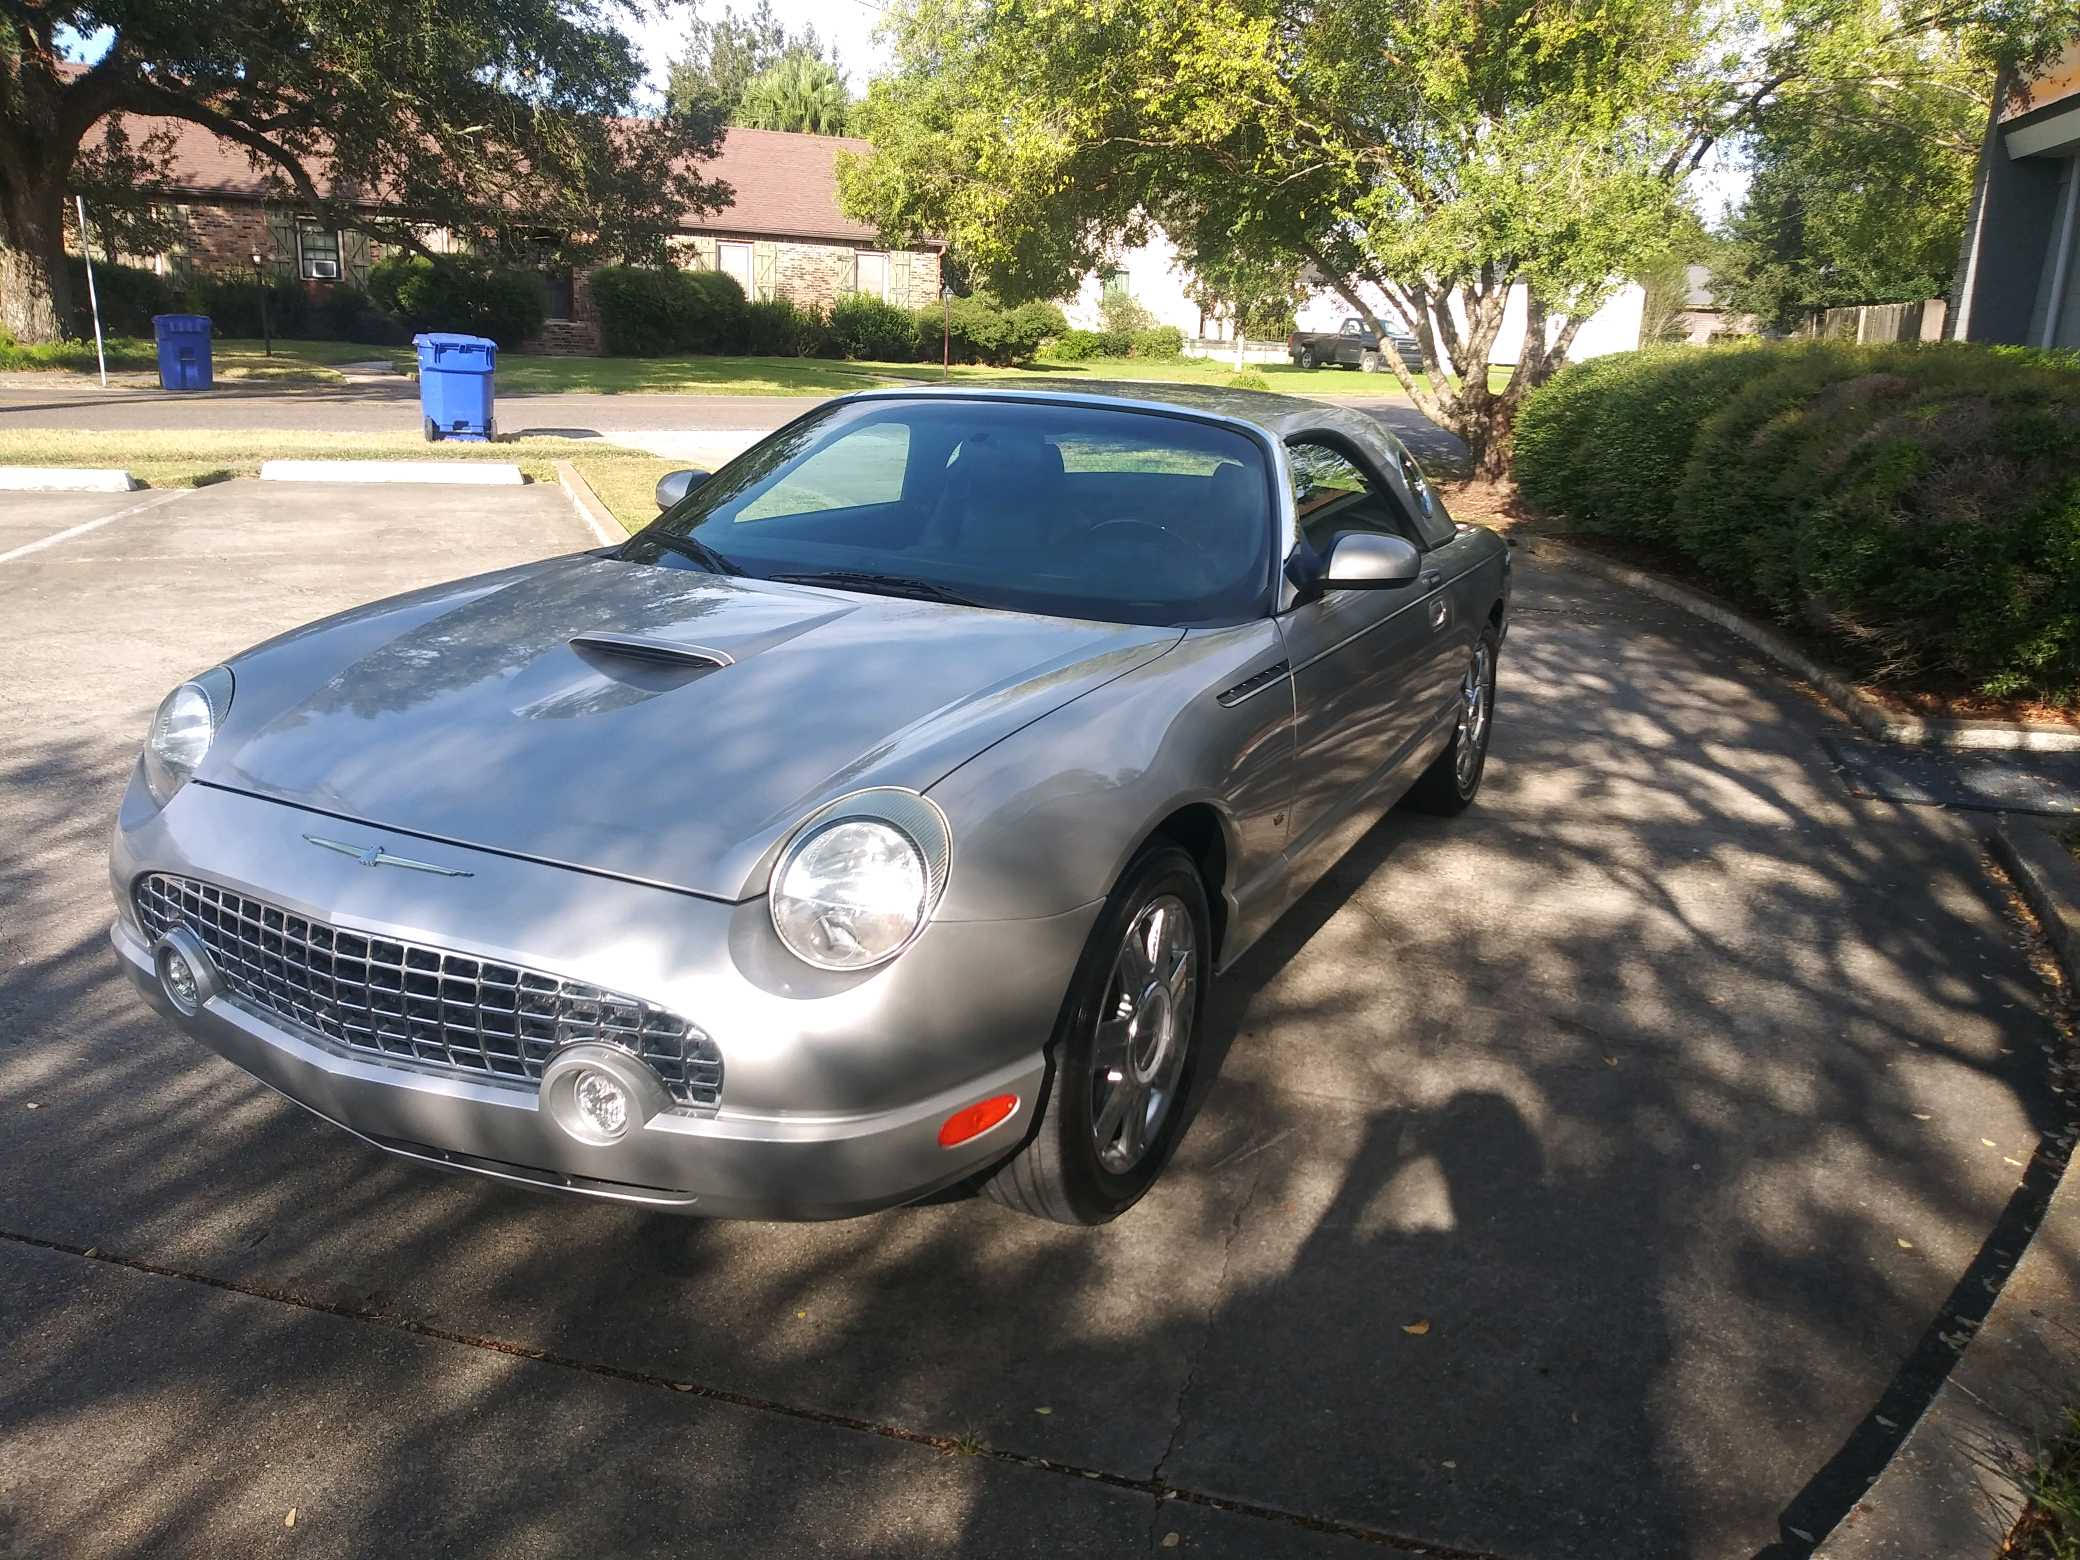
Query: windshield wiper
point(700, 552)
point(880, 584)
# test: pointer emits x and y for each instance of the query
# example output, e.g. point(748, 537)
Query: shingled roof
point(786, 184)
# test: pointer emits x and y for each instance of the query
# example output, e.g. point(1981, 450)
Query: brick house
point(782, 236)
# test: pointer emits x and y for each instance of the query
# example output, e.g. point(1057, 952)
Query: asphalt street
point(1597, 1174)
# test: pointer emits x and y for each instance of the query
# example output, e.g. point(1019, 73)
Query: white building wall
point(1155, 280)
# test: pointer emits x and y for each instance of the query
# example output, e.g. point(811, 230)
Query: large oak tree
point(1431, 153)
point(496, 119)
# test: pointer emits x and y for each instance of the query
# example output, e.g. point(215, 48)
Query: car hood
point(658, 724)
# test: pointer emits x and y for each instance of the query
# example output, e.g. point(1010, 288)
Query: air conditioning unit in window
point(321, 270)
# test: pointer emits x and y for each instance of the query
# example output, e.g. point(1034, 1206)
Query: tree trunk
point(1241, 345)
point(35, 292)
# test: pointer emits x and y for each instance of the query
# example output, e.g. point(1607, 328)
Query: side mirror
point(1369, 560)
point(675, 485)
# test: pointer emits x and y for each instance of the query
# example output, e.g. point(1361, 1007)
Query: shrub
point(128, 294)
point(1248, 379)
point(983, 331)
point(865, 327)
point(451, 294)
point(1160, 341)
point(649, 311)
point(779, 327)
point(1077, 346)
point(1120, 315)
point(232, 303)
point(348, 314)
point(1915, 507)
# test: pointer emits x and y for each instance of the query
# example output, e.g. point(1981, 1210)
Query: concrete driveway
point(1599, 1174)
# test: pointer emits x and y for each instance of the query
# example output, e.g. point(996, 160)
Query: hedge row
point(1915, 507)
point(646, 312)
point(1157, 341)
point(405, 294)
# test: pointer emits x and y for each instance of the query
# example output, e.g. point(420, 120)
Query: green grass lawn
point(623, 478)
point(233, 360)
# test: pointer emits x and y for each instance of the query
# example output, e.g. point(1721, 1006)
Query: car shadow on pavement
point(1575, 1179)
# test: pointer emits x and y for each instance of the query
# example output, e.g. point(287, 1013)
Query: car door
point(1350, 343)
point(1363, 660)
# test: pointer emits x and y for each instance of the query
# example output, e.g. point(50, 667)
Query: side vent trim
point(1255, 683)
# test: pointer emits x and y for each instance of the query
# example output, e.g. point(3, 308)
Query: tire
point(1061, 1172)
point(1306, 357)
point(1448, 787)
point(1369, 362)
point(433, 434)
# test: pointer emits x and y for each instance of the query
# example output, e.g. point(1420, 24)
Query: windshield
point(1074, 511)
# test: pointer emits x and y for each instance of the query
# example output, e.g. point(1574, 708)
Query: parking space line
point(156, 501)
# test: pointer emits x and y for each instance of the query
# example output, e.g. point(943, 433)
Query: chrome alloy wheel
point(1476, 702)
point(1144, 1027)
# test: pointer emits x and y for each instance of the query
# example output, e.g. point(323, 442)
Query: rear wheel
point(1123, 1058)
point(1306, 358)
point(433, 433)
point(1449, 785)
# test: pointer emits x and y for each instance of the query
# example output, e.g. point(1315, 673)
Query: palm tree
point(801, 92)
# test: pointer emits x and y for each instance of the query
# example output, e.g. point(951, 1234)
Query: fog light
point(602, 1104)
point(185, 973)
point(599, 1093)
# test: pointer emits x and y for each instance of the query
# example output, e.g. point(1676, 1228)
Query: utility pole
point(260, 285)
point(86, 250)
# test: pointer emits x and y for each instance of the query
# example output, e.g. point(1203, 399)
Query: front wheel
point(1123, 1058)
point(1449, 785)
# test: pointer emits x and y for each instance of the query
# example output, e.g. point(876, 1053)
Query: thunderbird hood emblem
point(376, 856)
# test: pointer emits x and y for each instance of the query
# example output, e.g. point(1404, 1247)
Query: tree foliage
point(802, 93)
point(495, 119)
point(1859, 190)
point(725, 54)
point(1427, 153)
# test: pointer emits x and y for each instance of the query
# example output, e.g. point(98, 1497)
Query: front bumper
point(834, 1091)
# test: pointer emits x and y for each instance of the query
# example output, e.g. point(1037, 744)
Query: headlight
point(857, 881)
point(183, 729)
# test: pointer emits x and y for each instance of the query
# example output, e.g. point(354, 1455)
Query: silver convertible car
point(872, 822)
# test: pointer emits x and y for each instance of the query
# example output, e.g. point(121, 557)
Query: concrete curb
point(66, 479)
point(1946, 1493)
point(1868, 715)
point(599, 519)
point(465, 473)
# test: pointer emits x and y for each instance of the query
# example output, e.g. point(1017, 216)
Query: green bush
point(232, 303)
point(1159, 341)
point(982, 331)
point(129, 296)
point(655, 312)
point(779, 327)
point(869, 329)
point(451, 294)
point(1077, 346)
point(1248, 379)
point(1917, 508)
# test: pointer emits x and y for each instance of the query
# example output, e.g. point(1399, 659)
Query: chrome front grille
point(402, 1001)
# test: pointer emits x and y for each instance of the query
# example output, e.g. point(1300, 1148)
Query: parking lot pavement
point(1580, 1176)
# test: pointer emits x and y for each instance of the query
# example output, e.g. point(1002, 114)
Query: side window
point(860, 468)
point(1332, 496)
point(1351, 328)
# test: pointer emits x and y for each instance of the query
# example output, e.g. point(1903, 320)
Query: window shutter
point(765, 264)
point(281, 244)
point(899, 280)
point(353, 257)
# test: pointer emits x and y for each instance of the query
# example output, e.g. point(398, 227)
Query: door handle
point(1440, 609)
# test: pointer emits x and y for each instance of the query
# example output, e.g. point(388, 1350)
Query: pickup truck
point(1354, 345)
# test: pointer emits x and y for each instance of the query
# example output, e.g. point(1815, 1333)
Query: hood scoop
point(614, 671)
point(606, 651)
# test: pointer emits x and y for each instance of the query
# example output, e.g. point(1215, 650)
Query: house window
point(870, 275)
point(1112, 282)
point(735, 260)
point(317, 253)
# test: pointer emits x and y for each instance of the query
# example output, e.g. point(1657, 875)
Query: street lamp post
point(260, 283)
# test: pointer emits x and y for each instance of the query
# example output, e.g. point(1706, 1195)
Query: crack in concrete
point(1198, 1354)
point(1155, 1487)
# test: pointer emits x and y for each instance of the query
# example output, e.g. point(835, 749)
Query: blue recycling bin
point(183, 342)
point(455, 385)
